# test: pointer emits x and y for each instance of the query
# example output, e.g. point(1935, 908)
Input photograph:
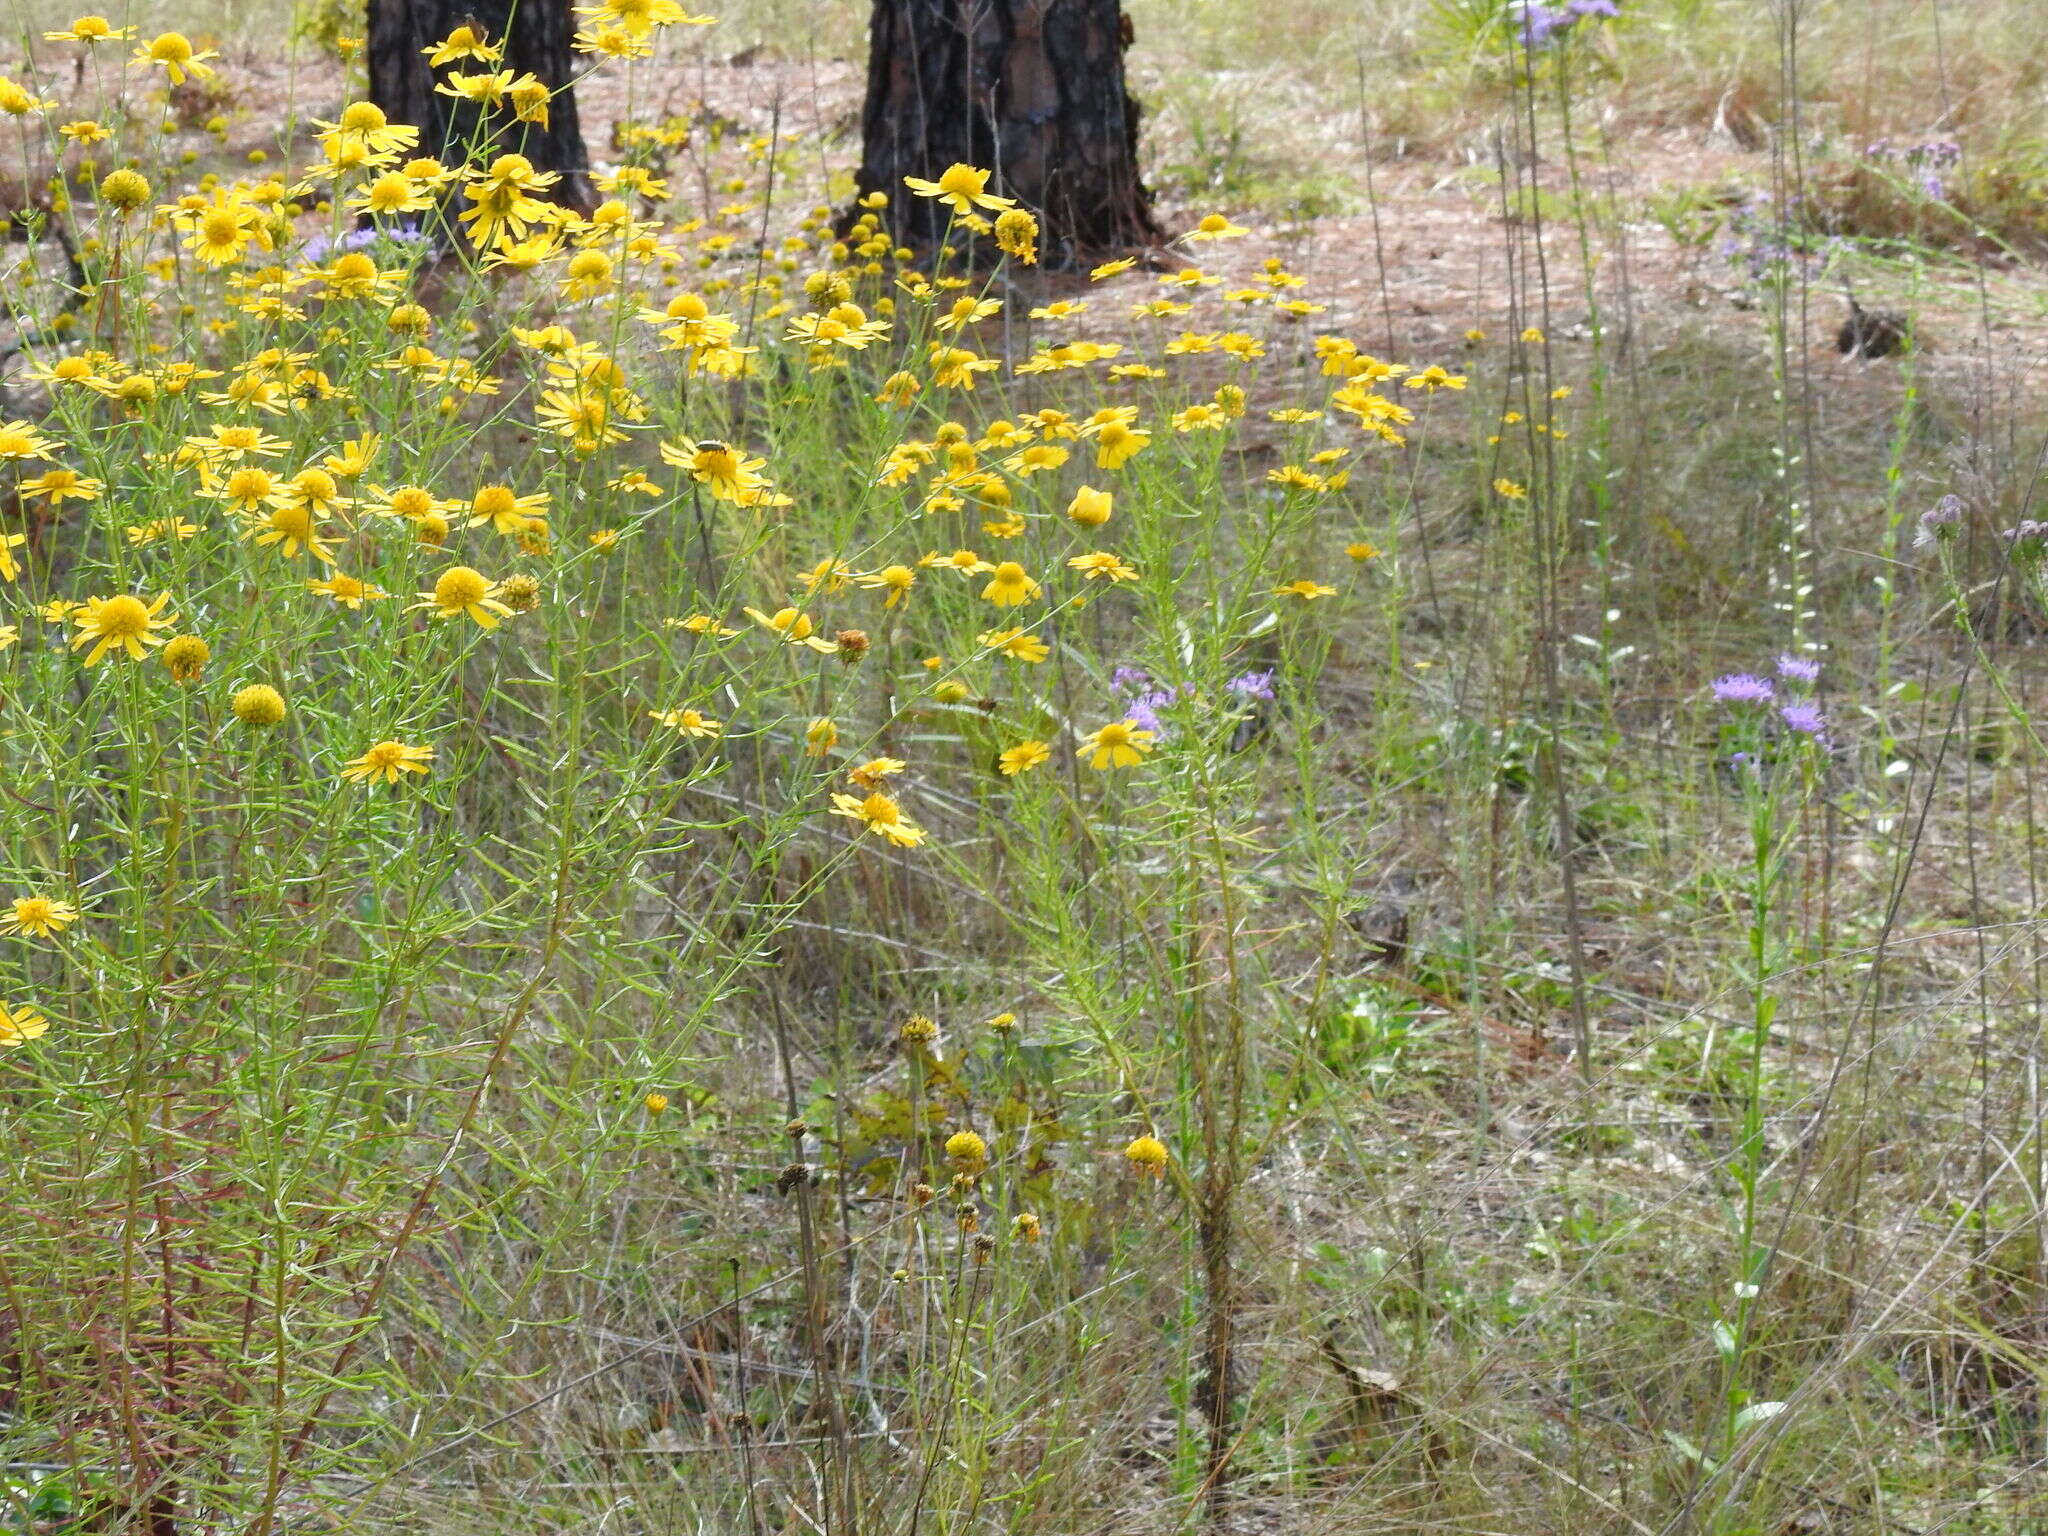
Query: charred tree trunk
point(535, 35)
point(1031, 89)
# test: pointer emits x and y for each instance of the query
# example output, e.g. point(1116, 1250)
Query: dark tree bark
point(1031, 89)
point(535, 35)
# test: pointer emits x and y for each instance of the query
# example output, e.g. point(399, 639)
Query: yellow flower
point(259, 704)
point(875, 771)
point(1022, 758)
point(173, 51)
point(1147, 1155)
point(1362, 551)
point(1017, 235)
point(689, 722)
point(881, 816)
point(961, 186)
point(505, 511)
point(1101, 562)
point(1009, 585)
point(967, 1151)
point(1090, 507)
point(59, 485)
point(1112, 268)
point(386, 761)
point(797, 628)
point(124, 623)
point(1308, 591)
point(820, 736)
point(1510, 490)
point(1017, 644)
point(37, 915)
point(1434, 378)
point(895, 580)
point(460, 590)
point(464, 42)
point(1215, 226)
point(10, 569)
point(91, 29)
point(1119, 744)
point(21, 440)
point(19, 1025)
point(347, 591)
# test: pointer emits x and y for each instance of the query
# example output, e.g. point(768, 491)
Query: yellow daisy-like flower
point(1017, 644)
point(385, 761)
point(894, 580)
point(881, 815)
point(1147, 1155)
point(1308, 591)
point(1215, 226)
point(174, 54)
point(1009, 585)
point(19, 1025)
point(20, 440)
point(1510, 491)
point(1433, 379)
point(962, 187)
point(795, 627)
point(123, 623)
point(460, 591)
point(57, 486)
point(1100, 563)
point(37, 915)
point(347, 591)
point(876, 771)
point(1022, 758)
point(1119, 744)
point(90, 29)
point(688, 722)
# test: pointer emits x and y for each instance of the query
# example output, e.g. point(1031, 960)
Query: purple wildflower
point(2028, 540)
point(1798, 669)
point(1806, 719)
point(1129, 679)
point(1252, 685)
point(1743, 688)
point(1602, 8)
point(1539, 24)
point(1940, 521)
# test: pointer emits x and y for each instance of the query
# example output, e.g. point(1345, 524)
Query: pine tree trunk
point(535, 35)
point(1032, 89)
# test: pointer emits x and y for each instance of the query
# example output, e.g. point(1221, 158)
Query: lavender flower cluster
point(1787, 693)
point(1142, 702)
point(1541, 25)
point(1926, 160)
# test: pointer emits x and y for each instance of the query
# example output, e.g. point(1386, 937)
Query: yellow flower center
point(294, 523)
point(363, 117)
point(170, 48)
point(459, 586)
point(963, 181)
point(121, 618)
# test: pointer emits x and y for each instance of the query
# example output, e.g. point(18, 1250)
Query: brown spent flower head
point(853, 645)
point(1026, 1226)
point(185, 657)
point(520, 592)
point(921, 1195)
point(984, 1248)
point(966, 1217)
